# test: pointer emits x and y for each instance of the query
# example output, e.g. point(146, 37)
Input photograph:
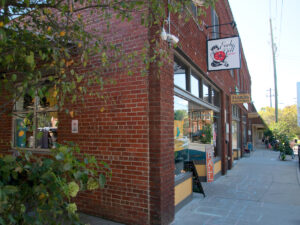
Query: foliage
point(47, 44)
point(280, 142)
point(287, 120)
point(41, 190)
point(180, 114)
point(284, 146)
point(206, 134)
point(53, 38)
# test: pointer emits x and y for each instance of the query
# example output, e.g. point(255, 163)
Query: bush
point(40, 190)
point(206, 134)
point(284, 146)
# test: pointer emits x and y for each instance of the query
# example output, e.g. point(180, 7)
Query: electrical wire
point(280, 24)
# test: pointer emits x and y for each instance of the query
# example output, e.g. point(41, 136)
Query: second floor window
point(215, 24)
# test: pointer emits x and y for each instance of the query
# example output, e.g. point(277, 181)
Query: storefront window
point(234, 134)
point(245, 134)
point(35, 122)
point(215, 97)
point(194, 86)
point(194, 127)
point(206, 93)
point(180, 75)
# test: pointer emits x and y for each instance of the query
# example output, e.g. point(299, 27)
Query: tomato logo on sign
point(220, 56)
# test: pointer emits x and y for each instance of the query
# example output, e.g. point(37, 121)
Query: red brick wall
point(161, 139)
point(116, 130)
point(5, 123)
point(134, 132)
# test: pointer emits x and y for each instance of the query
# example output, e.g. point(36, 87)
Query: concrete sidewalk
point(260, 189)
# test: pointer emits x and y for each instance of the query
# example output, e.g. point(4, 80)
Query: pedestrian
point(266, 142)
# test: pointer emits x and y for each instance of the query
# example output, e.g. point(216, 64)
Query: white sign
point(223, 54)
point(74, 126)
point(298, 102)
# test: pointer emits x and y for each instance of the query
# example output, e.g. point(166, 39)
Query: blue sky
point(253, 22)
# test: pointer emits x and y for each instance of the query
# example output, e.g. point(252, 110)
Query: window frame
point(215, 24)
point(36, 110)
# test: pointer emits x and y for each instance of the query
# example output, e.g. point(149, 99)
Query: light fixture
point(169, 37)
point(198, 2)
point(163, 34)
point(172, 39)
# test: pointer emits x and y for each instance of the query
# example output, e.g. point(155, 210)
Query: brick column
point(223, 131)
point(230, 134)
point(161, 140)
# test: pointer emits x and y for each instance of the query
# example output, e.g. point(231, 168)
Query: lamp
point(168, 37)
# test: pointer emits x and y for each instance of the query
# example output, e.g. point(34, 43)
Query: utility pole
point(275, 75)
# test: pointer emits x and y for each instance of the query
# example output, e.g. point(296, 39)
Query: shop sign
point(240, 98)
point(223, 54)
point(209, 163)
point(253, 115)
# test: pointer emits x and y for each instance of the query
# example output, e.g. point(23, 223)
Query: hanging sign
point(223, 54)
point(252, 115)
point(240, 98)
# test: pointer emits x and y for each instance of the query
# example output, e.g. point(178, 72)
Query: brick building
point(148, 119)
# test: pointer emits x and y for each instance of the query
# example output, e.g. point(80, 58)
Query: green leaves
point(29, 59)
point(9, 159)
point(45, 186)
point(10, 189)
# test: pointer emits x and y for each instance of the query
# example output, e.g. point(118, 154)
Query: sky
point(253, 23)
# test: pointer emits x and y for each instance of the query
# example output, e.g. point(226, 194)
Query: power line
point(280, 26)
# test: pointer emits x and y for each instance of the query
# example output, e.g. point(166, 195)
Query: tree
point(51, 38)
point(268, 115)
point(44, 43)
point(287, 121)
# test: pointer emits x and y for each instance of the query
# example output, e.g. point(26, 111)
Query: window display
point(35, 121)
point(194, 127)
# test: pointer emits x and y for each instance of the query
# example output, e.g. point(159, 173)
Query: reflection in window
point(194, 86)
point(215, 97)
point(180, 72)
point(194, 126)
point(35, 121)
point(205, 92)
point(234, 134)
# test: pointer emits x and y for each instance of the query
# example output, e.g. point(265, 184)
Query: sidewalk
point(92, 220)
point(260, 189)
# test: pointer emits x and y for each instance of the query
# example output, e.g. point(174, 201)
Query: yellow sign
point(240, 98)
point(253, 115)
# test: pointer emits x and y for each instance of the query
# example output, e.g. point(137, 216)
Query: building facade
point(148, 126)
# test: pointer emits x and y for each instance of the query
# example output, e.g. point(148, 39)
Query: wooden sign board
point(209, 163)
point(253, 115)
point(240, 98)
